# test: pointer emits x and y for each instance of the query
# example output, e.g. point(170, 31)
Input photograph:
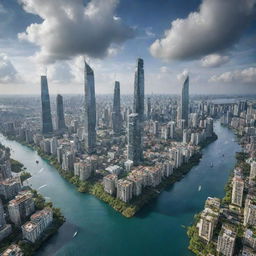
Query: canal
point(158, 229)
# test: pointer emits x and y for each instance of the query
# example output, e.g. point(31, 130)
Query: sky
point(212, 41)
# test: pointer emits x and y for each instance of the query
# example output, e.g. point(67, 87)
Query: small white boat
point(41, 170)
point(75, 234)
point(199, 188)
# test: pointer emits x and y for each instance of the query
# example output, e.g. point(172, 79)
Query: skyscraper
point(185, 101)
point(90, 110)
point(138, 104)
point(60, 120)
point(134, 139)
point(46, 107)
point(148, 108)
point(116, 115)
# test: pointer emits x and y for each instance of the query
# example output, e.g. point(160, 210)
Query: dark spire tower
point(185, 101)
point(90, 110)
point(116, 115)
point(60, 120)
point(136, 126)
point(138, 104)
point(46, 107)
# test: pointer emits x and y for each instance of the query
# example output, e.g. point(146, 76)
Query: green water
point(156, 230)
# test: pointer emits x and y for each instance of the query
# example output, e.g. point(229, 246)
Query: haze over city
point(213, 41)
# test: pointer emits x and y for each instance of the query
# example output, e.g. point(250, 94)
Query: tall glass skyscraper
point(136, 124)
point(185, 101)
point(116, 115)
point(46, 107)
point(90, 110)
point(60, 119)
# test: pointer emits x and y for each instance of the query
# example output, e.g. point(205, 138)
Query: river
point(158, 229)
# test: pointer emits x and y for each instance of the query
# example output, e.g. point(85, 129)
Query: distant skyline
point(213, 41)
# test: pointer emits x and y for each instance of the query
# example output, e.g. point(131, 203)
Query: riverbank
point(40, 203)
point(16, 236)
point(200, 246)
point(94, 186)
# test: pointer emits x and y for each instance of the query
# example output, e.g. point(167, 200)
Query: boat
point(37, 161)
point(223, 155)
point(199, 188)
point(211, 164)
point(75, 234)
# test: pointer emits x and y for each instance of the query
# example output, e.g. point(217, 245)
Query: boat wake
point(42, 186)
point(41, 170)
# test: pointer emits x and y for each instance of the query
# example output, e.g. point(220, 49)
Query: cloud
point(214, 60)
point(60, 73)
point(215, 26)
point(182, 76)
point(69, 28)
point(8, 73)
point(245, 76)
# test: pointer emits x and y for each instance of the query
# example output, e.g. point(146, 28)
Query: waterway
point(158, 229)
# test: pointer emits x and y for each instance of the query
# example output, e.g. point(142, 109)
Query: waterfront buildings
point(109, 183)
point(116, 114)
point(21, 207)
point(237, 191)
point(124, 190)
point(250, 212)
point(209, 218)
point(5, 229)
point(90, 110)
point(185, 101)
point(38, 223)
point(13, 250)
point(10, 187)
point(60, 119)
point(46, 107)
point(226, 241)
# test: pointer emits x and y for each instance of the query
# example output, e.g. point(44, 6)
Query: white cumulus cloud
point(8, 73)
point(214, 60)
point(245, 76)
point(182, 76)
point(69, 28)
point(214, 27)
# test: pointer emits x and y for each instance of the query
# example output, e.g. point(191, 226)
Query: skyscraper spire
point(138, 103)
point(90, 109)
point(46, 107)
point(60, 120)
point(116, 115)
point(185, 101)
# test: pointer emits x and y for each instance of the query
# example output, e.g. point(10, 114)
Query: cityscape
point(127, 141)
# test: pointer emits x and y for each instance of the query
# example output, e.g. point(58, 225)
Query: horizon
point(219, 53)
